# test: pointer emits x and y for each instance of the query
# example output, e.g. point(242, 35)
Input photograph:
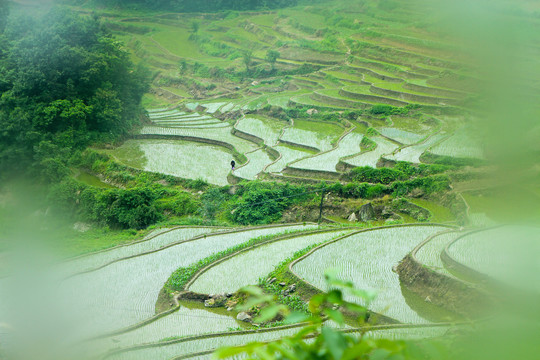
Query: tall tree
point(64, 82)
point(271, 57)
point(247, 56)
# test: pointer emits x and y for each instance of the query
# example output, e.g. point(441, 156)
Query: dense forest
point(196, 6)
point(65, 82)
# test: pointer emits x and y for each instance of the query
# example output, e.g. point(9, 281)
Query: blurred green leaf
point(270, 312)
point(335, 315)
point(335, 297)
point(316, 302)
point(334, 341)
point(296, 317)
point(251, 290)
point(254, 301)
point(367, 295)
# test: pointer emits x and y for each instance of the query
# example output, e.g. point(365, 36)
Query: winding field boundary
point(276, 239)
point(462, 269)
point(362, 330)
point(229, 231)
point(177, 307)
point(145, 239)
point(259, 331)
point(448, 292)
point(303, 257)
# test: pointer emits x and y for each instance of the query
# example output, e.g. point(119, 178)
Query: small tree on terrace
point(271, 57)
point(195, 25)
point(246, 57)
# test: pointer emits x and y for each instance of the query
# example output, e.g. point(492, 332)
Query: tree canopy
point(64, 81)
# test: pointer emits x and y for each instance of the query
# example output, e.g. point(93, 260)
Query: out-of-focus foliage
point(64, 82)
point(328, 342)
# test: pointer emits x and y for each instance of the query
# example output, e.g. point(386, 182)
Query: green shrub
point(429, 184)
point(130, 208)
point(376, 176)
point(180, 205)
point(212, 201)
point(263, 203)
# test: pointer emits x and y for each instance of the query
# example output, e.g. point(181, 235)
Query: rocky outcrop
point(413, 210)
point(367, 212)
point(244, 316)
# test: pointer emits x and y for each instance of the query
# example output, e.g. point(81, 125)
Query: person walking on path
point(233, 164)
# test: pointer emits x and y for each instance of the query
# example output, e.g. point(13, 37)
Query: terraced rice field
point(213, 107)
point(429, 254)
point(349, 145)
point(266, 129)
point(414, 152)
point(205, 161)
point(395, 334)
point(370, 158)
point(439, 213)
point(508, 254)
point(107, 300)
point(401, 136)
point(461, 144)
point(257, 162)
point(168, 352)
point(367, 259)
point(218, 134)
point(181, 119)
point(157, 114)
point(393, 62)
point(313, 134)
point(184, 322)
point(288, 155)
point(154, 241)
point(255, 263)
point(425, 332)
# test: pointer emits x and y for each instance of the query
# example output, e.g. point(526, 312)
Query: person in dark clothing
point(233, 164)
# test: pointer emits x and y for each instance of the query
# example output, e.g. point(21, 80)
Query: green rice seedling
point(125, 292)
point(440, 214)
point(349, 145)
point(461, 144)
point(313, 134)
point(367, 259)
point(219, 134)
point(168, 352)
point(508, 254)
point(213, 107)
point(429, 254)
point(184, 322)
point(257, 162)
point(266, 129)
point(254, 264)
point(166, 114)
point(155, 241)
point(179, 158)
point(288, 155)
point(402, 136)
point(227, 107)
point(157, 110)
point(413, 153)
point(192, 106)
point(370, 158)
